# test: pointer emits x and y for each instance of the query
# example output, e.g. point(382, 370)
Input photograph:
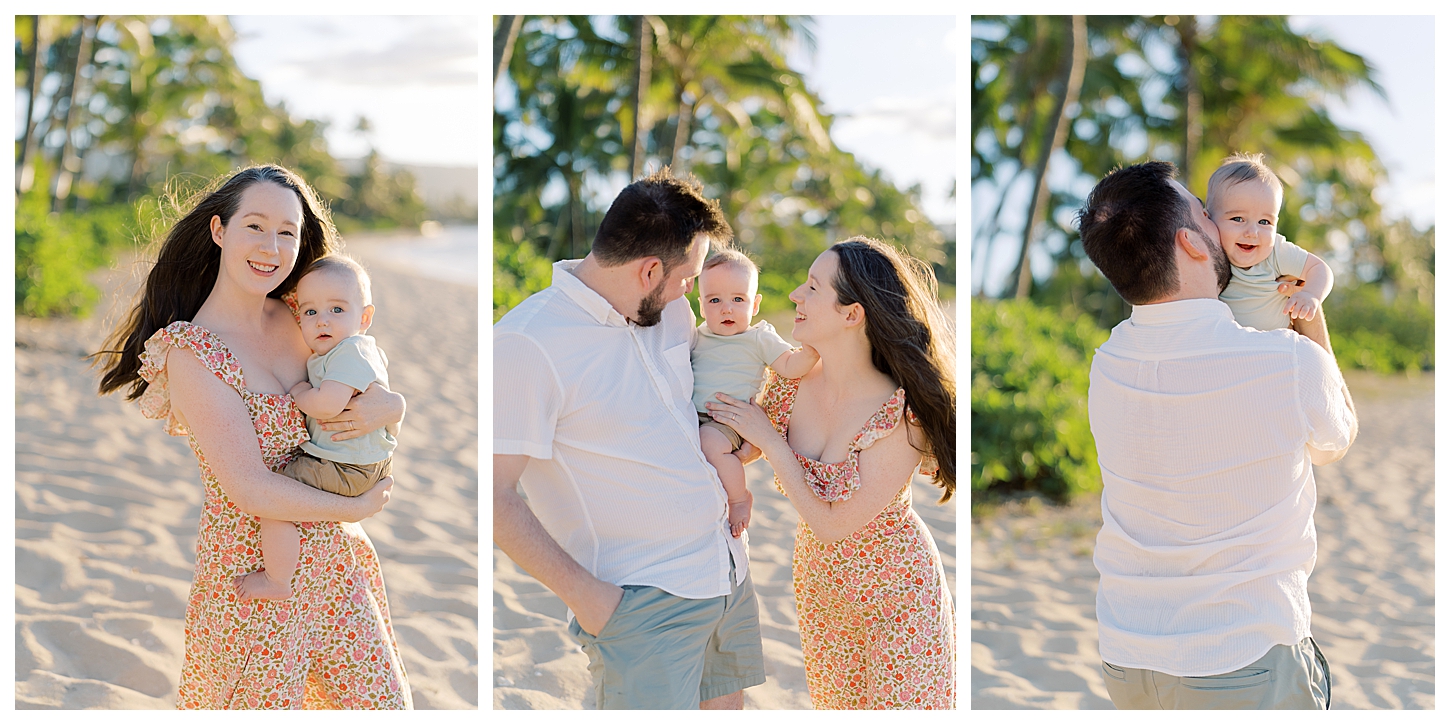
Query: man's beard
point(1220, 262)
point(653, 305)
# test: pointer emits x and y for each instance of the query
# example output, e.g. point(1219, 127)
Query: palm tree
point(1073, 64)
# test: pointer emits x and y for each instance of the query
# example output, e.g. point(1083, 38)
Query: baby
point(1244, 197)
point(729, 356)
point(334, 299)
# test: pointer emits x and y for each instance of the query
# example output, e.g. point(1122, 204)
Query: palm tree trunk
point(576, 215)
point(683, 117)
point(1192, 95)
point(69, 161)
point(643, 63)
point(60, 187)
point(503, 43)
point(989, 230)
point(24, 170)
point(1075, 61)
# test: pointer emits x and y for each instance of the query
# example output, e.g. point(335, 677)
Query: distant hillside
point(448, 191)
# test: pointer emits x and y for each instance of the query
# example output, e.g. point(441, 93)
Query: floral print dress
point(331, 645)
point(878, 630)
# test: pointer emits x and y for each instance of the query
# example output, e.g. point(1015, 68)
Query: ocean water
point(447, 254)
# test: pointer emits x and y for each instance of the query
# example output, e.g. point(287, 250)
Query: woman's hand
point(373, 501)
point(748, 419)
point(368, 411)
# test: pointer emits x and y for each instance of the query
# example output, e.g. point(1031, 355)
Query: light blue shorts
point(1286, 678)
point(663, 652)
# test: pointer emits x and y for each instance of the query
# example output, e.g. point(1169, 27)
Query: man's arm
point(1328, 406)
point(520, 535)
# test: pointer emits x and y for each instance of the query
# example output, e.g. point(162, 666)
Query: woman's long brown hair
point(910, 339)
point(187, 265)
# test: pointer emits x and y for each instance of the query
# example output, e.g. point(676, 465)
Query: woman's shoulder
point(202, 344)
point(205, 345)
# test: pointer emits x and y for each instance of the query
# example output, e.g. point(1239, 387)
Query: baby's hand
point(1302, 306)
point(301, 387)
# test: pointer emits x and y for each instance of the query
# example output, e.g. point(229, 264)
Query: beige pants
point(1286, 678)
point(343, 479)
point(735, 440)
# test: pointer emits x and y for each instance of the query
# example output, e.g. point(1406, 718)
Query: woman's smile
point(262, 269)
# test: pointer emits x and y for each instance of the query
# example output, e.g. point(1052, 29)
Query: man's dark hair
point(1128, 224)
point(658, 216)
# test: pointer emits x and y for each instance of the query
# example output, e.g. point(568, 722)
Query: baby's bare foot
point(739, 517)
point(258, 585)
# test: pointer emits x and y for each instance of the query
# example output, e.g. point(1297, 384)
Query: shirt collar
point(592, 302)
point(1180, 311)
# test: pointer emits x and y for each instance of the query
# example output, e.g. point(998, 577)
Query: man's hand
point(595, 611)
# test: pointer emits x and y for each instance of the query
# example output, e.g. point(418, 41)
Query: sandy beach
point(107, 507)
point(1034, 632)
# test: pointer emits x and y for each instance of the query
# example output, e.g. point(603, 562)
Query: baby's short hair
point(734, 258)
point(342, 263)
point(1237, 169)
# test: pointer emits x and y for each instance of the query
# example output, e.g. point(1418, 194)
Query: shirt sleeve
point(354, 364)
point(527, 398)
point(1328, 408)
point(770, 344)
point(1289, 258)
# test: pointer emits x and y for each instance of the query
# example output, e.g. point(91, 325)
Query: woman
point(876, 619)
point(212, 348)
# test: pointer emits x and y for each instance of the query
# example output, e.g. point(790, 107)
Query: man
point(626, 520)
point(1205, 431)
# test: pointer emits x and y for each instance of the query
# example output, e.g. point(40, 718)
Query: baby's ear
point(367, 318)
point(755, 308)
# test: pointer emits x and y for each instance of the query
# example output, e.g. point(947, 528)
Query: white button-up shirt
point(1203, 431)
point(601, 406)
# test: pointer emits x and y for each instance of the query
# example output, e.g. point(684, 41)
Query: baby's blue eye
point(336, 310)
point(309, 312)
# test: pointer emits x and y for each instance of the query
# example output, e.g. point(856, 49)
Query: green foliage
point(54, 253)
point(518, 271)
point(162, 101)
point(1029, 400)
point(1371, 333)
point(754, 135)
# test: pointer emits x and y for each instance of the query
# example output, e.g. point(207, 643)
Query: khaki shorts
point(663, 652)
point(343, 479)
point(735, 440)
point(1285, 678)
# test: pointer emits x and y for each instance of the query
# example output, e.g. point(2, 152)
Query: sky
point(414, 78)
point(1402, 132)
point(1401, 128)
point(891, 83)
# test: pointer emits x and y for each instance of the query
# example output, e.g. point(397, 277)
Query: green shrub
point(56, 252)
point(1370, 333)
point(518, 271)
point(1029, 400)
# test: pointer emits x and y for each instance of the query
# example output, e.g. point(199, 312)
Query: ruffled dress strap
point(290, 299)
point(929, 464)
point(779, 399)
point(885, 421)
point(208, 348)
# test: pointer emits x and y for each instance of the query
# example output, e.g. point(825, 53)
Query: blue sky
point(1400, 127)
point(415, 78)
point(891, 81)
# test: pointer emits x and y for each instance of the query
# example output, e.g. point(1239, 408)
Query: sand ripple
point(1034, 630)
point(106, 509)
